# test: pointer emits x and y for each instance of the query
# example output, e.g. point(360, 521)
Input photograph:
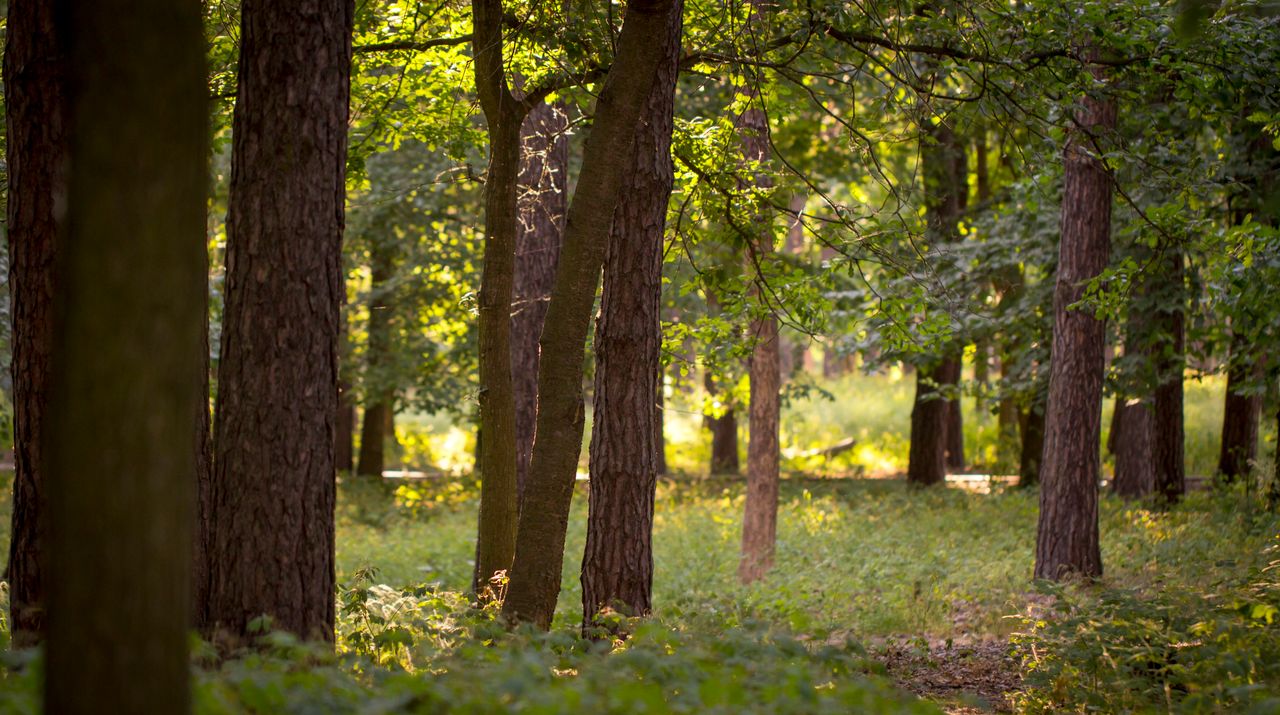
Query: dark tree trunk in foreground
point(535, 572)
point(1031, 449)
point(760, 515)
point(129, 339)
point(1067, 535)
point(541, 199)
point(724, 435)
point(1131, 433)
point(379, 419)
point(926, 459)
point(277, 380)
point(33, 88)
point(496, 537)
point(1167, 449)
point(617, 565)
point(1240, 417)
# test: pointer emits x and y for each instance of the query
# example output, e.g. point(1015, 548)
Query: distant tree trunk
point(535, 573)
point(1169, 439)
point(128, 341)
point(724, 435)
point(955, 423)
point(660, 417)
point(274, 471)
point(1067, 535)
point(617, 565)
point(1010, 288)
point(34, 100)
point(541, 198)
point(345, 421)
point(926, 458)
point(791, 353)
point(1132, 429)
point(1032, 447)
point(1240, 417)
point(202, 531)
point(496, 537)
point(378, 414)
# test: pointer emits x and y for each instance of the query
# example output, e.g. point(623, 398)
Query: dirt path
point(962, 677)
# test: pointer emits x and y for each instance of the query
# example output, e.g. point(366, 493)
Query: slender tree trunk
point(1011, 291)
point(1133, 428)
point(541, 199)
point(926, 458)
point(345, 421)
point(274, 471)
point(1168, 444)
point(955, 424)
point(1240, 417)
point(1032, 444)
point(617, 565)
point(34, 101)
point(379, 397)
point(791, 353)
point(496, 537)
point(535, 573)
point(128, 341)
point(1067, 535)
point(724, 435)
point(660, 414)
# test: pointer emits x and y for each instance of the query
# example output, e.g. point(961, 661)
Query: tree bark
point(128, 341)
point(274, 471)
point(955, 425)
point(617, 565)
point(345, 420)
point(1240, 417)
point(35, 105)
point(380, 394)
point(926, 458)
point(1132, 428)
point(495, 540)
point(724, 435)
point(541, 199)
point(1067, 535)
point(1032, 447)
point(535, 573)
point(1168, 431)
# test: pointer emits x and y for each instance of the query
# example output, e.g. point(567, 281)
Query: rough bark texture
point(1167, 449)
point(34, 99)
point(926, 458)
point(1240, 417)
point(535, 573)
point(130, 319)
point(378, 416)
point(1067, 535)
point(541, 199)
point(1131, 429)
point(617, 565)
point(496, 537)
point(277, 380)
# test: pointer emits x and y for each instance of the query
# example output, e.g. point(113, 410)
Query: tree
point(128, 340)
point(542, 195)
point(535, 571)
point(273, 489)
point(1067, 534)
point(379, 417)
point(1167, 449)
point(1240, 415)
point(34, 79)
point(617, 565)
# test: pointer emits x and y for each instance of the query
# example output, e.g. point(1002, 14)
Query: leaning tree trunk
point(1240, 416)
point(760, 514)
point(496, 452)
point(273, 497)
point(379, 419)
point(541, 200)
point(617, 565)
point(129, 342)
point(33, 88)
point(1168, 443)
point(1067, 534)
point(535, 573)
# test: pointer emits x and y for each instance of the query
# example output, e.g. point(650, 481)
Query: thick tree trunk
point(34, 100)
point(277, 380)
point(535, 573)
point(1132, 429)
point(617, 565)
point(378, 411)
point(496, 537)
point(1240, 417)
point(1167, 450)
point(129, 339)
point(1031, 450)
point(1067, 535)
point(724, 436)
point(926, 458)
point(541, 199)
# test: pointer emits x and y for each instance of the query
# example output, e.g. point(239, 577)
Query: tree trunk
point(380, 393)
point(1168, 444)
point(1011, 290)
point(1132, 428)
point(1240, 417)
point(1067, 535)
point(128, 341)
point(660, 415)
point(277, 381)
point(541, 199)
point(926, 458)
point(1032, 447)
point(724, 435)
point(617, 565)
point(535, 573)
point(955, 425)
point(496, 537)
point(33, 88)
point(345, 420)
